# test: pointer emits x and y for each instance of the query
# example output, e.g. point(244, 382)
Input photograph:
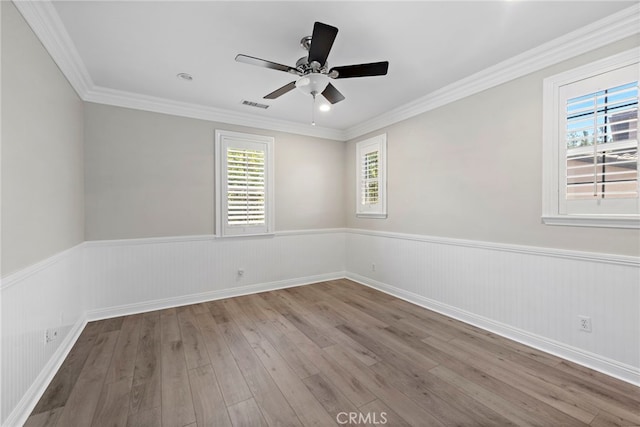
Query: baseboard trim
point(146, 306)
point(598, 363)
point(21, 412)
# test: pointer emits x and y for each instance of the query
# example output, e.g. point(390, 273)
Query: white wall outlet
point(51, 335)
point(584, 323)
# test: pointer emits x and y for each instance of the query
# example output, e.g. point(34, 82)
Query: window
point(244, 184)
point(371, 177)
point(590, 147)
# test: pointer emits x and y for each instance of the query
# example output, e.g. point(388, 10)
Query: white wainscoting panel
point(130, 276)
point(45, 295)
point(531, 295)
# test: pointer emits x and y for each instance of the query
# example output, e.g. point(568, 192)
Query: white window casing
point(371, 177)
point(590, 144)
point(244, 184)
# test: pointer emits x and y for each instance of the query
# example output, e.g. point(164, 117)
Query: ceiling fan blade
point(266, 64)
point(332, 94)
point(361, 70)
point(321, 41)
point(279, 92)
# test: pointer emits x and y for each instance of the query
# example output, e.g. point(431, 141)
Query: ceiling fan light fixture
point(313, 83)
point(324, 107)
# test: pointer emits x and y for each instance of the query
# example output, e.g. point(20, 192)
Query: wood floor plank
point(113, 324)
point(439, 398)
point(219, 313)
point(177, 404)
point(344, 380)
point(309, 410)
point(247, 414)
point(519, 412)
point(325, 320)
point(332, 399)
point(273, 405)
point(124, 355)
point(558, 397)
point(151, 417)
point(380, 414)
point(195, 350)
point(405, 407)
point(208, 402)
point(388, 348)
point(44, 419)
point(147, 373)
point(230, 379)
point(113, 405)
point(551, 396)
point(85, 395)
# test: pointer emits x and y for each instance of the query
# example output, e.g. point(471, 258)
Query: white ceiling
point(139, 47)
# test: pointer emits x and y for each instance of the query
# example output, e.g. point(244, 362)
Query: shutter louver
point(369, 178)
point(602, 144)
point(245, 187)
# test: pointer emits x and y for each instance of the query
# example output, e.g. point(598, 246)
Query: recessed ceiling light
point(185, 76)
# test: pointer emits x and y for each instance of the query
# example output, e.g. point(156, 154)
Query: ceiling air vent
point(255, 104)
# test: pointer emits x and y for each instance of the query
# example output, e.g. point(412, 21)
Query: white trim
point(125, 310)
point(13, 278)
point(266, 143)
point(376, 143)
point(591, 221)
point(27, 403)
point(136, 101)
point(43, 19)
point(203, 237)
point(610, 367)
point(506, 247)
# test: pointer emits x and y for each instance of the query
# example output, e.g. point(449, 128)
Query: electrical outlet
point(51, 335)
point(584, 323)
point(373, 267)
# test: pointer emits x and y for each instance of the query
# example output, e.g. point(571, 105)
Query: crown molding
point(46, 24)
point(48, 27)
point(118, 98)
point(597, 34)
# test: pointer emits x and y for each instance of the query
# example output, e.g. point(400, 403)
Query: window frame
point(553, 147)
point(378, 210)
point(223, 140)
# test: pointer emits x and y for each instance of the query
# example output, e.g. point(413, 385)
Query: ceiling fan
point(313, 70)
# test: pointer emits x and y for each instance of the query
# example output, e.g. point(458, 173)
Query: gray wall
point(42, 143)
point(151, 175)
point(472, 170)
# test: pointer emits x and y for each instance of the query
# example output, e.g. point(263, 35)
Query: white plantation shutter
point(599, 144)
point(244, 184)
point(602, 144)
point(371, 177)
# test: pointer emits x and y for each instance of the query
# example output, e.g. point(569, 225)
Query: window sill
point(630, 221)
point(371, 215)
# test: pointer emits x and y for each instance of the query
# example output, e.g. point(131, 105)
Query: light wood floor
point(311, 356)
